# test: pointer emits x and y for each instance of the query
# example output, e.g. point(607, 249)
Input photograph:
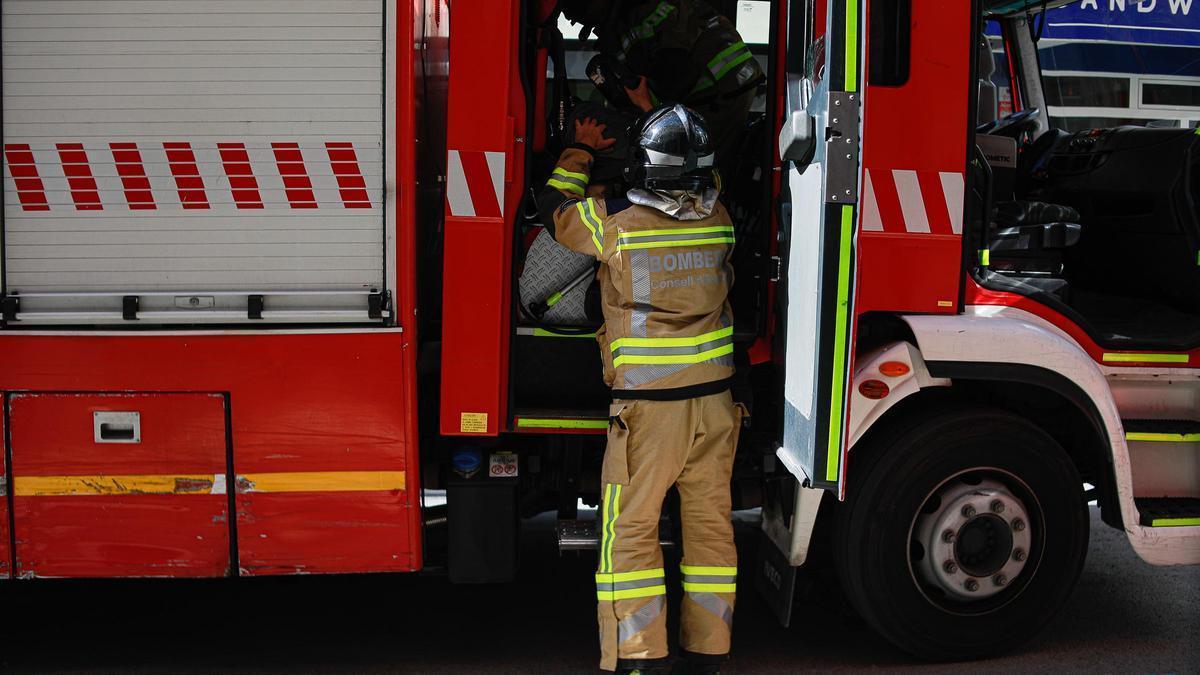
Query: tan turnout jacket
point(668, 327)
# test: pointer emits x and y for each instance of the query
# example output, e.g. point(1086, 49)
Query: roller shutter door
point(215, 161)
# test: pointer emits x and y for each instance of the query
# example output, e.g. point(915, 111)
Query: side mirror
point(797, 138)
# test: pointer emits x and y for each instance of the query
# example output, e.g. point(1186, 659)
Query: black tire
point(873, 532)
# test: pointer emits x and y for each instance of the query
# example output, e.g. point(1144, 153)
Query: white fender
point(1004, 335)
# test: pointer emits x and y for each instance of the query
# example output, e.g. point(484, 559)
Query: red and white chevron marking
point(914, 202)
point(475, 184)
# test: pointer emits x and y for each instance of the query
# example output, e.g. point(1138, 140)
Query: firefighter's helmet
point(670, 149)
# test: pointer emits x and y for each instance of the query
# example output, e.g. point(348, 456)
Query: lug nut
point(1018, 525)
point(950, 567)
point(971, 585)
point(968, 511)
point(948, 536)
point(997, 506)
point(1000, 580)
point(1019, 555)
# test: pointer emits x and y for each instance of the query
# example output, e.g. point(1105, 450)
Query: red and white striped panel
point(184, 175)
point(914, 202)
point(475, 183)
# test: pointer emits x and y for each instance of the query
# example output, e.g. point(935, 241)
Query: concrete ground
point(1124, 617)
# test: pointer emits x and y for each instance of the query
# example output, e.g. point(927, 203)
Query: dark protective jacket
point(664, 286)
point(690, 53)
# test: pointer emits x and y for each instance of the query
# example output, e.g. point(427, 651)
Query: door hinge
point(776, 268)
point(841, 148)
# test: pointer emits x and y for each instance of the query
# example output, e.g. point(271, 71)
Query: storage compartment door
point(171, 162)
point(119, 485)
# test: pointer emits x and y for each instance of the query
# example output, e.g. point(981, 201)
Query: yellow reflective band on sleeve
point(647, 592)
point(672, 359)
point(709, 588)
point(1127, 357)
point(559, 171)
point(709, 571)
point(587, 213)
point(569, 187)
point(613, 577)
point(671, 342)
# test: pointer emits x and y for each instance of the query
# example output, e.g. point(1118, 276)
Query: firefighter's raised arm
point(575, 220)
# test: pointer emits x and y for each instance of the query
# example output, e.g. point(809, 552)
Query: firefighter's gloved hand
point(591, 133)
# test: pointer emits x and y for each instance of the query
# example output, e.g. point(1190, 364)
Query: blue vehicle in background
point(1108, 63)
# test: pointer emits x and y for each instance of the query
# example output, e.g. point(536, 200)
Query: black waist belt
point(676, 394)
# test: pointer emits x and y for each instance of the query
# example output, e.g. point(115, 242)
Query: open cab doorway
point(1100, 226)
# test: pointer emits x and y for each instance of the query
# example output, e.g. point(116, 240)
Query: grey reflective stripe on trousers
point(714, 604)
point(639, 264)
point(709, 578)
point(627, 585)
point(640, 620)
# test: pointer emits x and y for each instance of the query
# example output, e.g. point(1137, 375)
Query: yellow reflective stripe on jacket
point(706, 241)
point(671, 359)
point(673, 341)
point(677, 230)
point(587, 212)
point(729, 58)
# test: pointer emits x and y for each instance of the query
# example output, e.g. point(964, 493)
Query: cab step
point(581, 535)
point(1169, 511)
point(1162, 431)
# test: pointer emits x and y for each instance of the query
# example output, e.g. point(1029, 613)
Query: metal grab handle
point(117, 427)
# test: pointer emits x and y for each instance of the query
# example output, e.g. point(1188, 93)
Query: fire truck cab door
point(819, 144)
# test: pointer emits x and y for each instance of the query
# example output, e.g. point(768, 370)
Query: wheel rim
point(975, 540)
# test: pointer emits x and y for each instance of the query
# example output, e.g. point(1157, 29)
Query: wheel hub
point(975, 541)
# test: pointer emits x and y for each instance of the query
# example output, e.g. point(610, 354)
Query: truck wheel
point(962, 534)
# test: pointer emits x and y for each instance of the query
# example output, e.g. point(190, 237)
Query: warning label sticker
point(472, 423)
point(502, 465)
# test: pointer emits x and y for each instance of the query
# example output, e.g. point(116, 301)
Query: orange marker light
point(894, 368)
point(873, 389)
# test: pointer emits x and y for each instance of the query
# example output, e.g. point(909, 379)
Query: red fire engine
point(269, 277)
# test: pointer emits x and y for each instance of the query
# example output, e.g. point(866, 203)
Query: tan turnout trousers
point(653, 445)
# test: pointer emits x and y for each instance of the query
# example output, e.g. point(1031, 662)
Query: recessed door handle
point(117, 427)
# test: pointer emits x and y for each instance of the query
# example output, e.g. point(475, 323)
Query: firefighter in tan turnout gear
point(667, 348)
